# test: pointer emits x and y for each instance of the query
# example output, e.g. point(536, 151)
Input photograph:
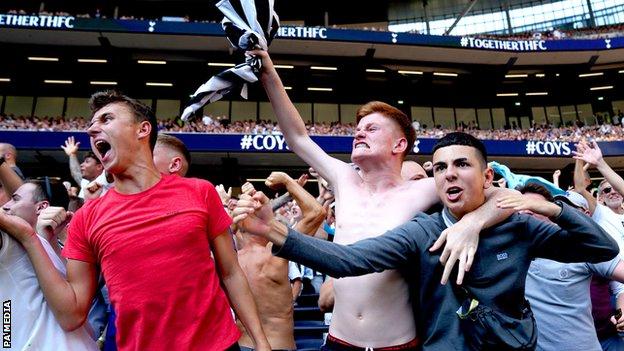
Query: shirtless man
point(268, 275)
point(410, 170)
point(374, 310)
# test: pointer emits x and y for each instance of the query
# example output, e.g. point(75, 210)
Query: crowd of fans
point(601, 32)
point(609, 129)
point(149, 227)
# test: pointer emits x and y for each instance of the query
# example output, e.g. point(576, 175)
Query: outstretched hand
point(590, 153)
point(462, 240)
point(225, 196)
point(71, 146)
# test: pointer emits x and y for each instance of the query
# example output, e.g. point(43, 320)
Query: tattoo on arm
point(74, 168)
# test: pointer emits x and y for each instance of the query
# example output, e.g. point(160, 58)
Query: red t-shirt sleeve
point(77, 245)
point(218, 219)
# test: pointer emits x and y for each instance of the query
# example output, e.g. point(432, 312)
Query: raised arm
point(71, 149)
point(281, 201)
point(581, 181)
point(313, 212)
point(69, 299)
point(285, 198)
point(556, 175)
point(292, 125)
point(593, 155)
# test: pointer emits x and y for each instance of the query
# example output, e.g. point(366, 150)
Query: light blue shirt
point(559, 294)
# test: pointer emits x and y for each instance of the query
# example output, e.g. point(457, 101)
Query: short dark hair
point(50, 189)
point(394, 114)
point(175, 144)
point(90, 154)
point(536, 188)
point(459, 138)
point(141, 111)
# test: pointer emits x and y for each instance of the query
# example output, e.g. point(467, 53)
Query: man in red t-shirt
point(151, 236)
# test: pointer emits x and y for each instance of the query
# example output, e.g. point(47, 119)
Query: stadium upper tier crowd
point(609, 129)
point(609, 31)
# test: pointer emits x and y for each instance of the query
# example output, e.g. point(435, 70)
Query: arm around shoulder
point(577, 239)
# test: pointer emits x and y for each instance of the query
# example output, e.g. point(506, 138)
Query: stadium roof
point(451, 8)
point(338, 12)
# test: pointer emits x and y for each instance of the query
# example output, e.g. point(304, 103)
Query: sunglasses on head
point(47, 187)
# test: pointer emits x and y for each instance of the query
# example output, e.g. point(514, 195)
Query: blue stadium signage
point(302, 32)
point(37, 21)
point(516, 45)
point(308, 33)
point(267, 143)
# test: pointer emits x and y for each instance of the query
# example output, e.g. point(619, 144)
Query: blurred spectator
point(11, 176)
point(171, 155)
point(9, 153)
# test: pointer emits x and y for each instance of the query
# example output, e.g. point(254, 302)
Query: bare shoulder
point(423, 192)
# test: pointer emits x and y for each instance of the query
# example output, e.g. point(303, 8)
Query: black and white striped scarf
point(248, 25)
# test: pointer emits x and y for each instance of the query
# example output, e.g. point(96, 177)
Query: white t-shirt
point(101, 179)
point(33, 325)
point(612, 223)
point(293, 271)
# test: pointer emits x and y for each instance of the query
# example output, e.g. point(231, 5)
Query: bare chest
point(362, 215)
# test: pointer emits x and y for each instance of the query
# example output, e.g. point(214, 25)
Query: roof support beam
point(467, 9)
